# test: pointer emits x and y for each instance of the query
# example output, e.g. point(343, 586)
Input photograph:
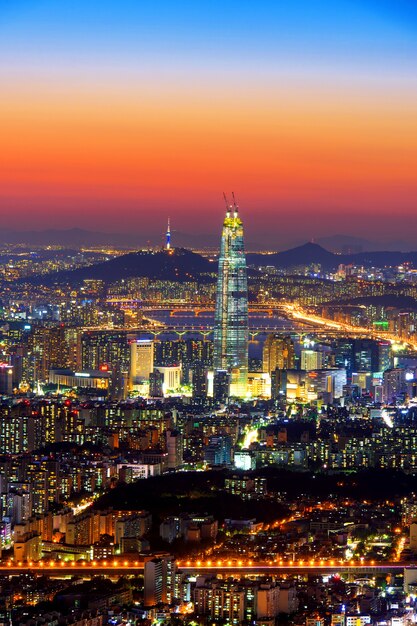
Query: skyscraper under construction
point(231, 316)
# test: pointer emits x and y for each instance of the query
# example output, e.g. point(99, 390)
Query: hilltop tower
point(168, 237)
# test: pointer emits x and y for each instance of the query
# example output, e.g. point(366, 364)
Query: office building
point(199, 383)
point(48, 349)
point(171, 378)
point(221, 385)
point(105, 348)
point(231, 314)
point(259, 385)
point(156, 381)
point(278, 352)
point(394, 385)
point(141, 360)
point(311, 360)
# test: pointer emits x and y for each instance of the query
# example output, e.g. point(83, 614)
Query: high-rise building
point(48, 350)
point(105, 347)
point(174, 445)
point(394, 384)
point(156, 381)
point(141, 360)
point(171, 377)
point(159, 580)
point(187, 352)
point(311, 360)
point(199, 382)
point(221, 385)
point(278, 352)
point(231, 315)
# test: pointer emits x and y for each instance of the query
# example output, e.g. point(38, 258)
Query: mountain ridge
point(177, 265)
point(313, 253)
point(181, 264)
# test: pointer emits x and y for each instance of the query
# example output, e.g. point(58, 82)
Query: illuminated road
point(131, 568)
point(266, 307)
point(206, 329)
point(296, 312)
point(290, 310)
point(300, 321)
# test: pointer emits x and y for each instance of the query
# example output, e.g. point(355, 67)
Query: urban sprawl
point(208, 437)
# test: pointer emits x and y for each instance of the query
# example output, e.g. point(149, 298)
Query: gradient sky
point(114, 115)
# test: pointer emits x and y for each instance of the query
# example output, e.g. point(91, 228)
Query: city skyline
point(208, 416)
point(116, 118)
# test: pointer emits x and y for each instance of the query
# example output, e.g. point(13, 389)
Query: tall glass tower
point(231, 316)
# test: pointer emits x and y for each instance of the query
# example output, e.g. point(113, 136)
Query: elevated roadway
point(113, 568)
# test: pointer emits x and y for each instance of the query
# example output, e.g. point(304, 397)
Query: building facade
point(231, 315)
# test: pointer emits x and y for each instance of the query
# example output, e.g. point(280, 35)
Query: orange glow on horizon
point(293, 148)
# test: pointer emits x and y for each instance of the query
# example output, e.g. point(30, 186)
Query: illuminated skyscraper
point(141, 360)
point(278, 352)
point(231, 316)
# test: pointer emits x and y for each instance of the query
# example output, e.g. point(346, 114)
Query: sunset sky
point(114, 115)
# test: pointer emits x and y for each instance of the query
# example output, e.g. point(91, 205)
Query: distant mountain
point(307, 254)
point(349, 244)
point(381, 259)
point(180, 265)
point(346, 244)
point(312, 253)
point(77, 237)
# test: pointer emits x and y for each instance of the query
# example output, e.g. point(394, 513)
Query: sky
point(116, 115)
